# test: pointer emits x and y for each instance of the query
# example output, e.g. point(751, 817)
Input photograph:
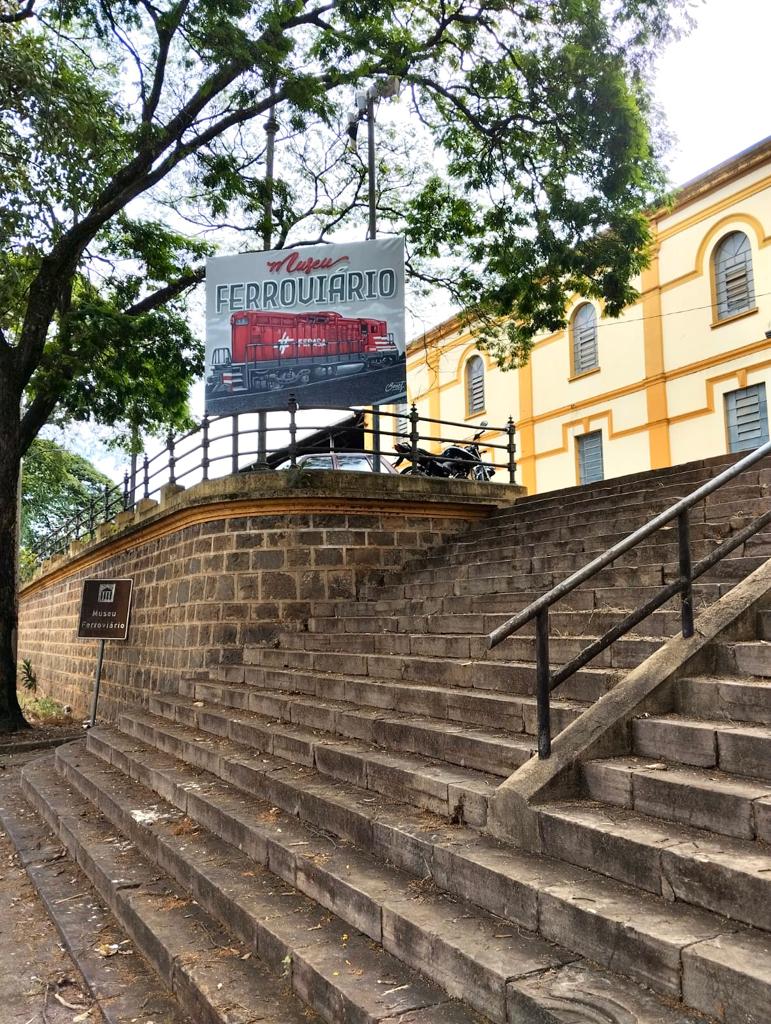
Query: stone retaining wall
point(223, 563)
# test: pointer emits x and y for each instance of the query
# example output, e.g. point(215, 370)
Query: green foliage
point(28, 676)
point(56, 485)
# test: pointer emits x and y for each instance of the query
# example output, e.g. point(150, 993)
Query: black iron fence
point(221, 445)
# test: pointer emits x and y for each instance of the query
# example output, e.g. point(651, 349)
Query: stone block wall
point(217, 568)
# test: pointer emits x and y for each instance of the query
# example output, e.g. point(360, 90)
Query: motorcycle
point(459, 462)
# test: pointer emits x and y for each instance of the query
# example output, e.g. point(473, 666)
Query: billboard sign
point(322, 322)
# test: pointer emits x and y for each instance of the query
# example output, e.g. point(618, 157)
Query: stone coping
point(275, 493)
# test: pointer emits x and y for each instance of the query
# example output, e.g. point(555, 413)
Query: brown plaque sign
point(105, 609)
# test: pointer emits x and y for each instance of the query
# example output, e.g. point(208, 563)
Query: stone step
point(563, 623)
point(454, 793)
point(559, 525)
point(467, 952)
point(746, 658)
point(731, 877)
point(119, 979)
point(675, 949)
point(475, 541)
point(740, 749)
point(727, 698)
point(306, 723)
point(373, 698)
point(730, 569)
point(626, 652)
point(330, 675)
point(199, 959)
point(513, 559)
point(725, 804)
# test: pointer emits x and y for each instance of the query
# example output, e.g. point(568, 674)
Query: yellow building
point(683, 374)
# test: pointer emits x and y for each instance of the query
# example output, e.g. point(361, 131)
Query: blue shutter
point(747, 417)
point(590, 467)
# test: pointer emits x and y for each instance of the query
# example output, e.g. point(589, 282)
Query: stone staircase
point(305, 825)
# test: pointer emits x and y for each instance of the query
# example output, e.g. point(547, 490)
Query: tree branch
point(186, 280)
point(24, 12)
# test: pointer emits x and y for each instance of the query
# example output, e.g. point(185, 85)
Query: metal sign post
point(105, 609)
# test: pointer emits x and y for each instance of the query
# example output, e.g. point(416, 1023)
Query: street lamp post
point(365, 109)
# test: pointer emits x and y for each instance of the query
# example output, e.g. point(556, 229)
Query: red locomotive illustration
point(272, 351)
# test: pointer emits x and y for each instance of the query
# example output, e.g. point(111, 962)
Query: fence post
point(510, 432)
point(172, 458)
point(91, 519)
point(235, 442)
point(542, 682)
point(292, 430)
point(205, 446)
point(106, 502)
point(126, 505)
point(684, 558)
point(146, 472)
point(414, 433)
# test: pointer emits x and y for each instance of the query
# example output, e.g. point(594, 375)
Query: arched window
point(584, 330)
point(734, 287)
point(475, 386)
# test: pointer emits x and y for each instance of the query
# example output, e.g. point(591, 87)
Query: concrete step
point(740, 749)
point(731, 877)
point(367, 700)
point(725, 804)
point(453, 793)
point(727, 698)
point(653, 574)
point(306, 723)
point(746, 658)
point(520, 559)
point(199, 959)
point(678, 950)
point(627, 652)
point(334, 672)
point(563, 623)
point(463, 950)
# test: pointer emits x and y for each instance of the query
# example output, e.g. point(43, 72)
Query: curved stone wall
point(222, 563)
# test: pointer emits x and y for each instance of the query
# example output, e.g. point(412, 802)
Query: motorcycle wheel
point(411, 471)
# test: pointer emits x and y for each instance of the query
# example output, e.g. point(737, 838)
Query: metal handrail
point(539, 609)
point(172, 465)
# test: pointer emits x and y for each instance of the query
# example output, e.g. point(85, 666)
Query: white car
point(352, 462)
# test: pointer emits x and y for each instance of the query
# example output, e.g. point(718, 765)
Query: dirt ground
point(39, 983)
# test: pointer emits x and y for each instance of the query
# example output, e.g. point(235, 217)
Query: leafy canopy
point(131, 128)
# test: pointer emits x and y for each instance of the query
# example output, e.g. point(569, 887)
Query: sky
point(713, 87)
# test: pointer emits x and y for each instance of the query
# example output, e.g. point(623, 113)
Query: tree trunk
point(11, 718)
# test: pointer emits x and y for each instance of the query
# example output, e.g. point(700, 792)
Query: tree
point(57, 485)
point(110, 109)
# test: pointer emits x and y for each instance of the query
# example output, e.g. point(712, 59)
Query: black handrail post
point(292, 406)
point(414, 433)
point(235, 442)
point(205, 447)
point(172, 459)
point(106, 502)
point(543, 682)
point(686, 577)
point(376, 439)
point(146, 471)
point(91, 519)
point(510, 433)
point(126, 505)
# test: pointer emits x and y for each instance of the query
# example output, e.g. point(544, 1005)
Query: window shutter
point(475, 385)
point(590, 465)
point(747, 418)
point(733, 275)
point(585, 339)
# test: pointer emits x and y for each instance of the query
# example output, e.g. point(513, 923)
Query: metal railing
point(546, 680)
point(221, 445)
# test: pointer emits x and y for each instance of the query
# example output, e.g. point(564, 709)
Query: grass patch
point(43, 710)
